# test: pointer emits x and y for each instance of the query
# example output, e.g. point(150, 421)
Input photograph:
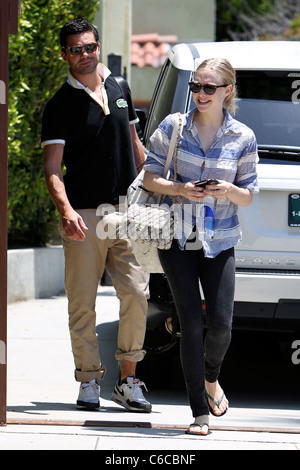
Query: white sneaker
point(131, 396)
point(89, 394)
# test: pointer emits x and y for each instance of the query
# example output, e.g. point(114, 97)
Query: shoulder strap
point(177, 129)
point(123, 85)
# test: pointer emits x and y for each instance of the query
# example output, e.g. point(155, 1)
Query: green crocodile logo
point(121, 103)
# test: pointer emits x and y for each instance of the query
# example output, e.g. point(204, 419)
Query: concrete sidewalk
point(42, 393)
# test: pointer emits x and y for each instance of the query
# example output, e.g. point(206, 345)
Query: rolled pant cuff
point(132, 356)
point(87, 376)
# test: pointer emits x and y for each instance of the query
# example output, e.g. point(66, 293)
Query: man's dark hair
point(77, 26)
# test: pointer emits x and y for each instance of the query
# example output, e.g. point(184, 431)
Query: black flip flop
point(196, 433)
point(217, 403)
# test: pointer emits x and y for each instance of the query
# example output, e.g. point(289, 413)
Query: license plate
point(294, 210)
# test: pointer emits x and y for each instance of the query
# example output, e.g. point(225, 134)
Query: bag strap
point(123, 85)
point(176, 134)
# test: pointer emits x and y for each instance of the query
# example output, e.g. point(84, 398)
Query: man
point(89, 125)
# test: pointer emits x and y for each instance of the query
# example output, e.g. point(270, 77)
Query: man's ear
point(63, 55)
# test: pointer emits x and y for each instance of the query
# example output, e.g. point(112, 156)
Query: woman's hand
point(240, 196)
point(220, 190)
point(157, 184)
point(190, 191)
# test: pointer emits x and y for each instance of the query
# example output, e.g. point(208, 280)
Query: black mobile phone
point(204, 183)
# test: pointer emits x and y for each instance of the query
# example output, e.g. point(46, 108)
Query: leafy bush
point(36, 71)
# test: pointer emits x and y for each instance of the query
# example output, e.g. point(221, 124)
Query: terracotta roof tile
point(150, 49)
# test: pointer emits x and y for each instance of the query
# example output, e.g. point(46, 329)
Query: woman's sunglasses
point(208, 89)
point(77, 50)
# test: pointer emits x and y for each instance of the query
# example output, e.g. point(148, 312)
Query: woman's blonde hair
point(227, 74)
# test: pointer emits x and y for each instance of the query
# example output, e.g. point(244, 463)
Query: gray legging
point(201, 360)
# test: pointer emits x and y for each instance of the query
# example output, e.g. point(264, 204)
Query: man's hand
point(74, 225)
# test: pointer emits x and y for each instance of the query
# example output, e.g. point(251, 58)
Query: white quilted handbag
point(147, 223)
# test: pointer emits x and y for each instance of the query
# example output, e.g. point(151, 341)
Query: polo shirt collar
point(104, 72)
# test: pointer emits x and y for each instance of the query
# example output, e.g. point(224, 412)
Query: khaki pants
point(85, 265)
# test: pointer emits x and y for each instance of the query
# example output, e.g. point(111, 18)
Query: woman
point(215, 146)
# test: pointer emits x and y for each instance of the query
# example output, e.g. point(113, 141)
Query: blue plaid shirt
point(232, 157)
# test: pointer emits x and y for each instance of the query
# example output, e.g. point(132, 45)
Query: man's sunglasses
point(208, 89)
point(77, 50)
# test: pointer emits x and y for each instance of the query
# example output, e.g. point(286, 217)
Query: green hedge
point(36, 71)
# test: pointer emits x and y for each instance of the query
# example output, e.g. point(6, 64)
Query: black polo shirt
point(98, 152)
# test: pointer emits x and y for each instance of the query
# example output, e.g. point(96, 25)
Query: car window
point(274, 122)
point(266, 85)
point(269, 104)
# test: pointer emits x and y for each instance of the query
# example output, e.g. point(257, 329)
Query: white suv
point(268, 258)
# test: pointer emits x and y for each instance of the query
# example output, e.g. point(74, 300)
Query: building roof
point(151, 49)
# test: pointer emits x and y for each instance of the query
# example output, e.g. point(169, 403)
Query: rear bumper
point(267, 287)
point(267, 301)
